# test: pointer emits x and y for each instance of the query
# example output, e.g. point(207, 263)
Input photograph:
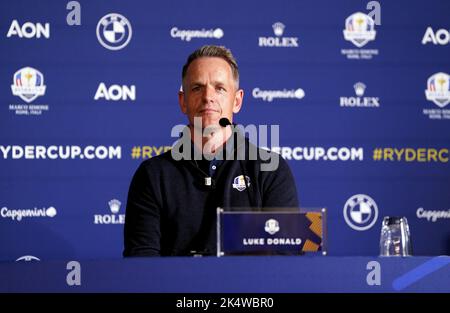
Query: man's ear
point(238, 101)
point(181, 102)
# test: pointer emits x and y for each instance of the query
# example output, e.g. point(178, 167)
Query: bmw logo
point(114, 31)
point(360, 212)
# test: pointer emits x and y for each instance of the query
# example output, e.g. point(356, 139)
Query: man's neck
point(212, 141)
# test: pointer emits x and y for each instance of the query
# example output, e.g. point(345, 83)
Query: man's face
point(209, 91)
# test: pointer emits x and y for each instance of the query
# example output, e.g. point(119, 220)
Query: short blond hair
point(213, 51)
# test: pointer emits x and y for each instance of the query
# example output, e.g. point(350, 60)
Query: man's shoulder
point(263, 154)
point(158, 162)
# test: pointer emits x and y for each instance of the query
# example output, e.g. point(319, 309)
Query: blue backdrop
point(88, 90)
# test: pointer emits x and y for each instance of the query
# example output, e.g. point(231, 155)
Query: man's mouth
point(209, 111)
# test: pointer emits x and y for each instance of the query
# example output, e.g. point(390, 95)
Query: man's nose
point(209, 93)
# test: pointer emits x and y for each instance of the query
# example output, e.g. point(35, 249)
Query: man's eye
point(220, 88)
point(196, 88)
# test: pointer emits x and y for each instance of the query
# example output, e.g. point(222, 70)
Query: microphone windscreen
point(224, 122)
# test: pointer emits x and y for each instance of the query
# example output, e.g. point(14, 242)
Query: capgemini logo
point(19, 214)
point(270, 95)
point(218, 33)
point(50, 212)
point(272, 226)
point(188, 34)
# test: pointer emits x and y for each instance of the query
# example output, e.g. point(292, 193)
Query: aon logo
point(440, 37)
point(115, 92)
point(29, 30)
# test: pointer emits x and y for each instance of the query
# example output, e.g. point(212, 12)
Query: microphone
point(224, 122)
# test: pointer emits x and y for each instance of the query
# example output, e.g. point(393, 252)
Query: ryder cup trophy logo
point(114, 31)
point(438, 90)
point(359, 29)
point(28, 84)
point(239, 182)
point(272, 226)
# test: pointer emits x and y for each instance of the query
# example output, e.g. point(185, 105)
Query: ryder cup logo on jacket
point(359, 29)
point(438, 90)
point(28, 84)
point(272, 226)
point(114, 31)
point(239, 183)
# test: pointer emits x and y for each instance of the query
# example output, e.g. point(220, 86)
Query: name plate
point(270, 233)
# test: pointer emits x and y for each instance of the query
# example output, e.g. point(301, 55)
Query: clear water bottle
point(395, 239)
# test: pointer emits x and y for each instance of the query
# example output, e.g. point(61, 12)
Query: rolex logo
point(114, 218)
point(359, 89)
point(278, 29)
point(114, 205)
point(278, 40)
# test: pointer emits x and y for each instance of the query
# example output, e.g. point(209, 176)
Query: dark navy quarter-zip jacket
point(171, 212)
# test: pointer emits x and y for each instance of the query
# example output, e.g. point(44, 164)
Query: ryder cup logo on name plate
point(114, 31)
point(360, 212)
point(272, 226)
point(28, 84)
point(438, 90)
point(239, 183)
point(359, 29)
point(27, 258)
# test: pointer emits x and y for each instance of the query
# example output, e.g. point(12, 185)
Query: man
point(171, 208)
